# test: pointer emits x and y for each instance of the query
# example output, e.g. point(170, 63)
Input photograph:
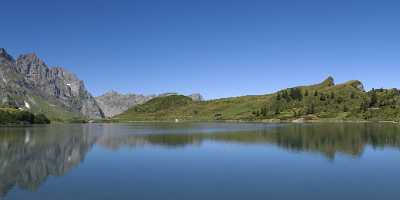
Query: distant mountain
point(323, 101)
point(113, 103)
point(29, 83)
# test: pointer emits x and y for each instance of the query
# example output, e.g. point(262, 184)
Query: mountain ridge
point(322, 101)
point(27, 82)
point(113, 103)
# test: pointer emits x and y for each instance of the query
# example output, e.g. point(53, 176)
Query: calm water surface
point(200, 161)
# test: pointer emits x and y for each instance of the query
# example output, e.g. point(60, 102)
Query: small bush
point(41, 119)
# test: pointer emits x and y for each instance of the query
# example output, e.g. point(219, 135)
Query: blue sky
point(218, 48)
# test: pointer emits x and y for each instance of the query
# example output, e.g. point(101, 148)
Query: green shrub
point(41, 119)
point(15, 116)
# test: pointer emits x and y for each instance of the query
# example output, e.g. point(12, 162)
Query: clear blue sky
point(219, 48)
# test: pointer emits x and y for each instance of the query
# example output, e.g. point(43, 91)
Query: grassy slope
point(54, 112)
point(16, 116)
point(319, 101)
point(38, 105)
point(186, 109)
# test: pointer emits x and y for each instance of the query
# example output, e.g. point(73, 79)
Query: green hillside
point(48, 107)
point(54, 111)
point(323, 101)
point(16, 116)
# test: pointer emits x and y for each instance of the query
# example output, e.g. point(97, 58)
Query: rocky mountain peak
point(63, 73)
point(5, 56)
point(3, 52)
point(31, 65)
point(111, 93)
point(330, 81)
point(56, 86)
point(357, 84)
point(30, 57)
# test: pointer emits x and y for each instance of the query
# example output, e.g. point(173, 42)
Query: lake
point(200, 161)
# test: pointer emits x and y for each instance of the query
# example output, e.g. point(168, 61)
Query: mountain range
point(28, 83)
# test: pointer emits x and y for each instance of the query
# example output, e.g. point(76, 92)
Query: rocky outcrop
point(196, 97)
point(11, 82)
point(358, 85)
point(29, 77)
point(329, 81)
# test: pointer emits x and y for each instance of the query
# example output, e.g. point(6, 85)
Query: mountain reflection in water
point(29, 155)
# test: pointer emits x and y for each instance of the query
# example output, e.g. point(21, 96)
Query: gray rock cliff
point(113, 103)
point(27, 77)
point(196, 97)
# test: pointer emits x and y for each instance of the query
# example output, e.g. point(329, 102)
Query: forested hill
point(323, 101)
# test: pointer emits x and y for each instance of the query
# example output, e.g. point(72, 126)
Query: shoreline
point(266, 121)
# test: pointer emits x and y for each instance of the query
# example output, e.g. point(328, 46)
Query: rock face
point(196, 97)
point(28, 77)
point(358, 85)
point(10, 81)
point(329, 82)
point(113, 103)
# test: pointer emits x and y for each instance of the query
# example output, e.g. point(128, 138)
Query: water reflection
point(328, 139)
point(28, 156)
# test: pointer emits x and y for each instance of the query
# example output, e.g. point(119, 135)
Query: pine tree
point(256, 113)
point(261, 111)
point(363, 106)
point(345, 109)
point(277, 111)
point(339, 100)
point(311, 109)
point(278, 96)
point(285, 95)
point(322, 97)
point(265, 112)
point(374, 99)
point(295, 94)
